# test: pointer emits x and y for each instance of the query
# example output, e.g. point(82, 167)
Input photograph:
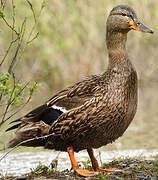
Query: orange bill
point(138, 26)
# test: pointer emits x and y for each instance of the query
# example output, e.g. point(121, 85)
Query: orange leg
point(75, 166)
point(95, 164)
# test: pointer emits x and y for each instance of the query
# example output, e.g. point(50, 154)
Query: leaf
point(32, 88)
point(1, 13)
point(4, 77)
point(43, 4)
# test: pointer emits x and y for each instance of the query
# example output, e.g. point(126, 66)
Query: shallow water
point(22, 162)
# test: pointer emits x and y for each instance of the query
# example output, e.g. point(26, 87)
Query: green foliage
point(33, 88)
point(17, 94)
point(156, 164)
point(43, 170)
point(40, 169)
point(13, 92)
point(5, 83)
point(1, 13)
point(103, 177)
point(43, 4)
point(118, 159)
point(4, 77)
point(87, 164)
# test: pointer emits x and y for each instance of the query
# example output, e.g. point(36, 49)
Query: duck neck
point(116, 40)
point(116, 45)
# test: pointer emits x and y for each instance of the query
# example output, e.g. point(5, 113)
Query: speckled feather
point(99, 108)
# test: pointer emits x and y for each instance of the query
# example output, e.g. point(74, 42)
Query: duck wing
point(76, 95)
point(67, 99)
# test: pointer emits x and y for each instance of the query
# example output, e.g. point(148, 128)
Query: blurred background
point(68, 43)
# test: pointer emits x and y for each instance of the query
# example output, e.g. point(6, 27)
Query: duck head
point(123, 18)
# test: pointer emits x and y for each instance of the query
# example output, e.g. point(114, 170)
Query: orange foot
point(109, 170)
point(86, 173)
point(96, 166)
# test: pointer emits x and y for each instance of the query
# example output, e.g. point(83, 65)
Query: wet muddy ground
point(135, 164)
point(133, 169)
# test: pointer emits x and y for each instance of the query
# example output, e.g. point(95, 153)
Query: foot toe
point(86, 173)
point(110, 170)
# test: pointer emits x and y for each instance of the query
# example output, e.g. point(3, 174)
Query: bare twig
point(3, 3)
point(10, 101)
point(33, 12)
point(8, 104)
point(23, 142)
point(13, 17)
point(21, 107)
point(28, 42)
point(7, 51)
point(22, 32)
point(11, 27)
point(100, 159)
point(31, 32)
point(20, 48)
point(14, 58)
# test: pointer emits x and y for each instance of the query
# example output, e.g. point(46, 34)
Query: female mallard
point(92, 112)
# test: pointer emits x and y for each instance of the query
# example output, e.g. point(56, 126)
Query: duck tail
point(30, 135)
point(33, 128)
point(29, 129)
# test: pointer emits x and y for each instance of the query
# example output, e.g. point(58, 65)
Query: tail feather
point(32, 127)
point(29, 134)
point(16, 120)
point(33, 116)
point(13, 127)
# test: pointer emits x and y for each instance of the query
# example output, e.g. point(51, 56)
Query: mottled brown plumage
point(97, 110)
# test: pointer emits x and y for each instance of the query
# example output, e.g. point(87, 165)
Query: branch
point(23, 105)
point(28, 42)
point(3, 3)
point(12, 28)
point(7, 51)
point(23, 142)
point(22, 32)
point(10, 101)
point(13, 17)
point(33, 12)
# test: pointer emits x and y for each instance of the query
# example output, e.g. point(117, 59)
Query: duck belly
point(101, 129)
point(115, 124)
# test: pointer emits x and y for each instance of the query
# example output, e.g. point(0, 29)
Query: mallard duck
point(92, 112)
